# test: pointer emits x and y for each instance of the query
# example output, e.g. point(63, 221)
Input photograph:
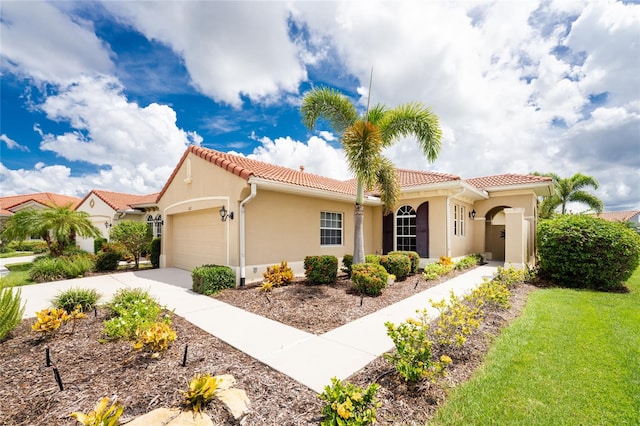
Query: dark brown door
point(422, 230)
point(387, 233)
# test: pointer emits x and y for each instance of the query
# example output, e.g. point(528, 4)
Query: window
point(158, 232)
point(150, 224)
point(155, 225)
point(406, 229)
point(330, 229)
point(458, 220)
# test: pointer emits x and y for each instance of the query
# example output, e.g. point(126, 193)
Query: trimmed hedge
point(581, 251)
point(397, 264)
point(210, 279)
point(414, 257)
point(154, 256)
point(369, 278)
point(347, 262)
point(107, 261)
point(97, 245)
point(321, 269)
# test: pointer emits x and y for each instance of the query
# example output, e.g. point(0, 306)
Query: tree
point(568, 190)
point(57, 226)
point(134, 236)
point(363, 139)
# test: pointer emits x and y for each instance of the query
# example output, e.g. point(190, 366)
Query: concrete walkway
point(309, 359)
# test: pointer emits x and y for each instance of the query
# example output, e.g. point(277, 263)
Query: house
point(220, 208)
point(107, 208)
point(41, 200)
point(632, 216)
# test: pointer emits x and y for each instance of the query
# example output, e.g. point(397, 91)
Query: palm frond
point(589, 199)
point(413, 119)
point(388, 184)
point(362, 144)
point(329, 104)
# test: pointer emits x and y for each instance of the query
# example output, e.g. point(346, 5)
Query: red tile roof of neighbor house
point(7, 204)
point(622, 216)
point(506, 180)
point(122, 201)
point(245, 168)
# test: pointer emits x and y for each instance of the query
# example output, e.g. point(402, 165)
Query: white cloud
point(231, 49)
point(11, 144)
point(41, 178)
point(45, 44)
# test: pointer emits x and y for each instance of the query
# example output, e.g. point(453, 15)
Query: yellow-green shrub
point(490, 293)
point(278, 275)
point(349, 404)
point(369, 278)
point(101, 415)
point(11, 310)
point(456, 321)
point(49, 320)
point(154, 338)
point(202, 389)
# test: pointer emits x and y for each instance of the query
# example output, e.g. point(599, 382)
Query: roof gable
point(10, 203)
point(121, 201)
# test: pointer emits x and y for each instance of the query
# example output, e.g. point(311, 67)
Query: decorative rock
point(171, 417)
point(235, 400)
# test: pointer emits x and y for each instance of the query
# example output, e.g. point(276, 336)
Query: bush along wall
point(321, 269)
point(581, 251)
point(155, 252)
point(414, 257)
point(397, 264)
point(210, 279)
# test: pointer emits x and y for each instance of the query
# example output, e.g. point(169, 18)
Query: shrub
point(131, 309)
point(490, 293)
point(511, 277)
point(210, 279)
point(33, 246)
point(369, 278)
point(413, 358)
point(397, 264)
point(456, 321)
point(154, 338)
point(154, 257)
point(321, 269)
point(97, 245)
point(585, 252)
point(107, 261)
point(467, 262)
point(69, 299)
point(11, 310)
point(278, 275)
point(202, 389)
point(58, 268)
point(347, 262)
point(48, 321)
point(372, 258)
point(433, 271)
point(414, 257)
point(101, 415)
point(349, 404)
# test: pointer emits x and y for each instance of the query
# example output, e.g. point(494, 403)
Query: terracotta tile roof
point(622, 216)
point(245, 168)
point(410, 178)
point(508, 179)
point(45, 198)
point(120, 200)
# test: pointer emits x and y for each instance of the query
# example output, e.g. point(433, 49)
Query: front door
point(422, 230)
point(387, 233)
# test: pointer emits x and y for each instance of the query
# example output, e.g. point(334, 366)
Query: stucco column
point(515, 238)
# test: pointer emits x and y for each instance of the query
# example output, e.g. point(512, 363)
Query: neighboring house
point(226, 209)
point(632, 216)
point(107, 208)
point(41, 200)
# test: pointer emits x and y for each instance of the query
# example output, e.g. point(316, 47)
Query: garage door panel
point(198, 238)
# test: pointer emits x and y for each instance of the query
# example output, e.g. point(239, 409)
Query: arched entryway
point(407, 229)
point(495, 234)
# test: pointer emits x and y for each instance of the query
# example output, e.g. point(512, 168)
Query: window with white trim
point(158, 221)
point(458, 220)
point(406, 229)
point(330, 229)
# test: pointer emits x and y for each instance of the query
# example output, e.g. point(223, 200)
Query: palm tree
point(364, 138)
point(57, 226)
point(568, 190)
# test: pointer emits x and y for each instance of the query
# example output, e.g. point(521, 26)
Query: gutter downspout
point(254, 190)
point(448, 220)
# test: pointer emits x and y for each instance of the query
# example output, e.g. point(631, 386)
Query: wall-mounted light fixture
point(472, 214)
point(224, 215)
point(107, 225)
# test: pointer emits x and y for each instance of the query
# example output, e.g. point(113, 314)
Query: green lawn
point(572, 358)
point(15, 254)
point(18, 275)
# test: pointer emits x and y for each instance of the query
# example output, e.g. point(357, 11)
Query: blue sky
point(108, 95)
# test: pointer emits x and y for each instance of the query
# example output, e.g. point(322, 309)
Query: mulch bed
point(29, 394)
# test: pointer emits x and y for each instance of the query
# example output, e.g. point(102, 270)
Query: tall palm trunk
point(358, 235)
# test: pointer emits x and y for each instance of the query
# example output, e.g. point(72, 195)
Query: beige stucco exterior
point(277, 221)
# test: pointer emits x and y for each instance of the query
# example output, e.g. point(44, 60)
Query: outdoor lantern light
point(224, 215)
point(107, 225)
point(472, 214)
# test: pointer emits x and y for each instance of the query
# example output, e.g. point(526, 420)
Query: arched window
point(158, 232)
point(406, 229)
point(150, 224)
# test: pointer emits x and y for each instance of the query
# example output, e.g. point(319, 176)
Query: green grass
point(15, 254)
point(572, 358)
point(18, 274)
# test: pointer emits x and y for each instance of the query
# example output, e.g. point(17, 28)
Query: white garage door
point(199, 238)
